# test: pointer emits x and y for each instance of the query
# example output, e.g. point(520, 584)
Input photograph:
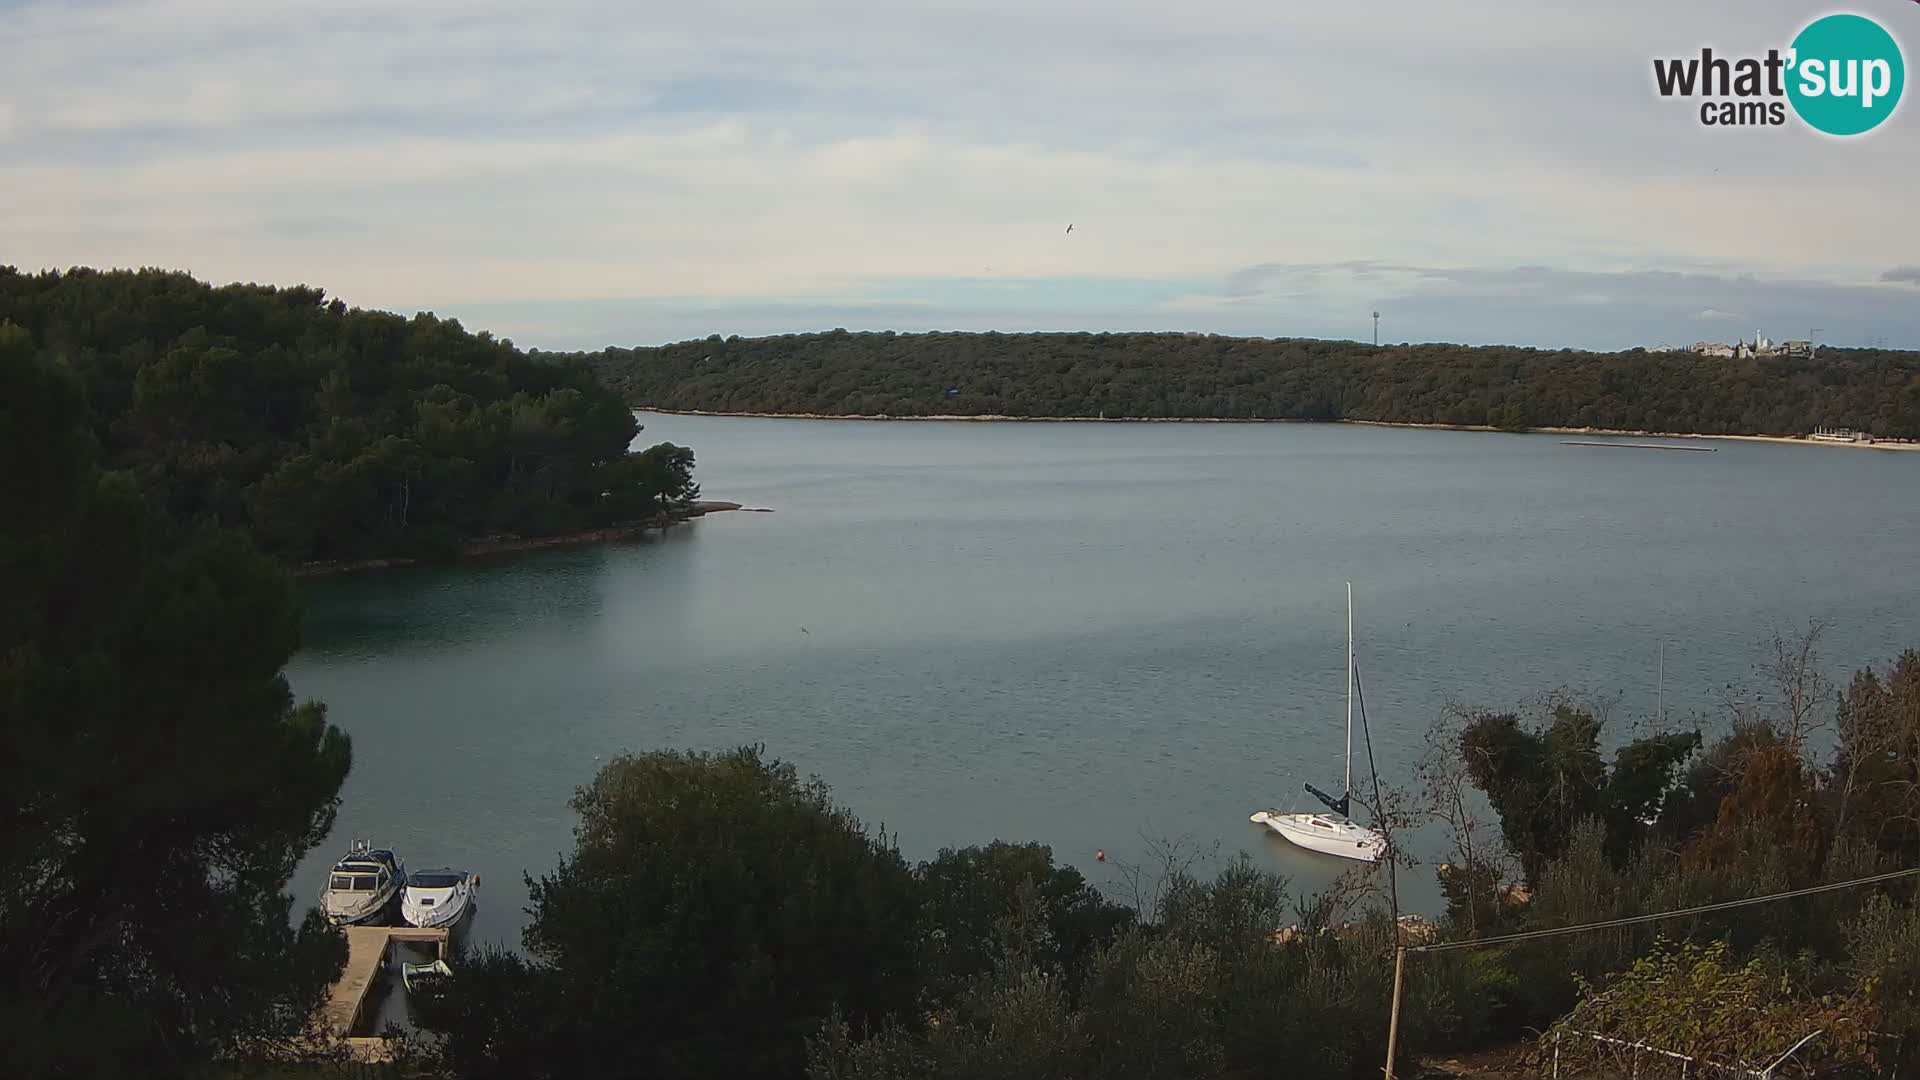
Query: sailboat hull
point(1325, 834)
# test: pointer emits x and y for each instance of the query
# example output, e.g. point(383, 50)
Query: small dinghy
point(437, 897)
point(415, 977)
point(362, 884)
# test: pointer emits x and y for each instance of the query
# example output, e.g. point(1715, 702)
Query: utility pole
point(1662, 692)
point(1376, 329)
point(1393, 1019)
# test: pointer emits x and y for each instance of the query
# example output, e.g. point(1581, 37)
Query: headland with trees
point(1210, 377)
point(330, 433)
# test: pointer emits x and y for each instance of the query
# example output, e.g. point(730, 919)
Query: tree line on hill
point(330, 433)
point(1158, 375)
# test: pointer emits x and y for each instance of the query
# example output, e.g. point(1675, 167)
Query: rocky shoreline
point(501, 545)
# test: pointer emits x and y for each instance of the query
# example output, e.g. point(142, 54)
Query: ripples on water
point(1083, 633)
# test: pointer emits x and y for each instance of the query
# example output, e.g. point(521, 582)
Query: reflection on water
point(429, 608)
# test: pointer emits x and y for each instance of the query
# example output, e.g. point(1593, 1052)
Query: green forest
point(331, 433)
point(1143, 376)
point(167, 782)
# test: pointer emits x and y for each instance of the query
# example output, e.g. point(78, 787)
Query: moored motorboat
point(437, 897)
point(362, 884)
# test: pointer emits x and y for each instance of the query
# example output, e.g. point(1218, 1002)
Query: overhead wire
point(1635, 920)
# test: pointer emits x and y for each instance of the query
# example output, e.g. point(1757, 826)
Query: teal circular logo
point(1846, 74)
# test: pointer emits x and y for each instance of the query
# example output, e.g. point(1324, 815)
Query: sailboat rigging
point(1334, 832)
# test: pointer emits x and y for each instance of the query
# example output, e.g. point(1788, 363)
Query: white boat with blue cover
point(435, 898)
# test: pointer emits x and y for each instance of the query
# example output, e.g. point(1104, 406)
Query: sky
point(577, 173)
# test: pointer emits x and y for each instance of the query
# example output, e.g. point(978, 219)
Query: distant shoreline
point(1790, 440)
point(501, 545)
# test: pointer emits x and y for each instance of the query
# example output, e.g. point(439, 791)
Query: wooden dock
point(367, 948)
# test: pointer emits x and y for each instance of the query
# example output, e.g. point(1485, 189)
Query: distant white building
point(1847, 435)
point(1761, 345)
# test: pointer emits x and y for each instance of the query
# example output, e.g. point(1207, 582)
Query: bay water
point(1090, 635)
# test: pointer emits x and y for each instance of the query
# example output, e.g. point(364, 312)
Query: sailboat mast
point(1348, 788)
point(1663, 684)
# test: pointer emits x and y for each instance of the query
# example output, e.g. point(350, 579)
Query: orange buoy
point(1100, 856)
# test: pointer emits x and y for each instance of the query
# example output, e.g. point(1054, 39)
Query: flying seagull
point(804, 631)
point(1069, 229)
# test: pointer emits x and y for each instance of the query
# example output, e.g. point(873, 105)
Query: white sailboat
point(1333, 832)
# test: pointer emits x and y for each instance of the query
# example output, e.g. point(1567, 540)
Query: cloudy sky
point(576, 173)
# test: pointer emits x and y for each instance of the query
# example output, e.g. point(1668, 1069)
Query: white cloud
point(479, 152)
point(1544, 306)
point(1547, 307)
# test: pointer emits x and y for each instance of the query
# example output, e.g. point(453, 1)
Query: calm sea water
point(1086, 634)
